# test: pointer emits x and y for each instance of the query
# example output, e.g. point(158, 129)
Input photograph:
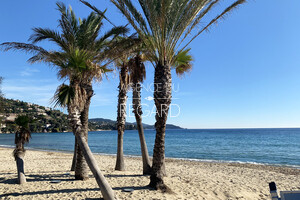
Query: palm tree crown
point(23, 133)
point(166, 24)
point(80, 52)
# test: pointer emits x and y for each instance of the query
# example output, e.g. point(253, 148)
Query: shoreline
point(167, 158)
point(187, 179)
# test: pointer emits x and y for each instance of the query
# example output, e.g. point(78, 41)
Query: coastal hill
point(45, 119)
point(101, 123)
point(50, 120)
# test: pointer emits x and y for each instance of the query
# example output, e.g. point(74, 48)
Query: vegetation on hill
point(45, 119)
point(1, 101)
point(107, 124)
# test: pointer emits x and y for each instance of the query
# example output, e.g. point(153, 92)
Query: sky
point(245, 72)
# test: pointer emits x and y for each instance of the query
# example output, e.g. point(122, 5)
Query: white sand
point(187, 179)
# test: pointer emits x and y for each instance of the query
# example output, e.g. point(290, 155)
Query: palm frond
point(99, 12)
point(63, 96)
point(164, 25)
point(41, 34)
point(229, 9)
point(110, 35)
point(137, 69)
point(23, 133)
point(68, 22)
point(182, 62)
point(28, 48)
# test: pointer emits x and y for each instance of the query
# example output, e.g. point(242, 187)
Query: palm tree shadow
point(9, 181)
point(124, 175)
point(133, 187)
point(38, 178)
point(16, 194)
point(61, 177)
point(93, 199)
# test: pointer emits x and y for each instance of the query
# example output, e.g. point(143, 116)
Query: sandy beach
point(187, 179)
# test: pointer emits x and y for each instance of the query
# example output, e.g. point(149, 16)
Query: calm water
point(267, 146)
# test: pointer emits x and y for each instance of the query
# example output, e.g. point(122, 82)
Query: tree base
point(147, 171)
point(120, 168)
point(158, 184)
point(81, 178)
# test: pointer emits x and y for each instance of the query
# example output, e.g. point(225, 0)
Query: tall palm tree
point(123, 87)
point(128, 47)
point(137, 72)
point(78, 60)
point(164, 27)
point(22, 136)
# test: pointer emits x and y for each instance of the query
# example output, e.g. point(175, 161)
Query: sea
point(280, 146)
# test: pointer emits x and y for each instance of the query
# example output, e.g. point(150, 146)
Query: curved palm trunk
point(80, 134)
point(121, 118)
point(162, 99)
point(137, 110)
point(19, 154)
point(106, 190)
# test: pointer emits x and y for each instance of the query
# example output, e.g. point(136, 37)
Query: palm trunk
point(137, 110)
point(20, 166)
point(74, 155)
point(162, 99)
point(19, 154)
point(80, 133)
point(81, 169)
point(121, 118)
point(106, 190)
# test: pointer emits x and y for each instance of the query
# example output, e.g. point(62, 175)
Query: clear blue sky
point(245, 72)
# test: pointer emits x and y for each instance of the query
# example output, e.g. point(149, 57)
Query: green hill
point(45, 119)
point(100, 123)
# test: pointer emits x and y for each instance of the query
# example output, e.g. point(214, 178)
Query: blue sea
point(261, 146)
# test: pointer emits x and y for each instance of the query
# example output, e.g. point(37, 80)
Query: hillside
point(100, 123)
point(45, 119)
point(50, 120)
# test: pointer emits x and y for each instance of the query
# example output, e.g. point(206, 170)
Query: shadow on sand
point(49, 192)
point(63, 177)
point(134, 188)
point(37, 178)
point(124, 175)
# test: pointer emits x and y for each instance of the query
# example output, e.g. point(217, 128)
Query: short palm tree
point(164, 27)
point(22, 136)
point(78, 60)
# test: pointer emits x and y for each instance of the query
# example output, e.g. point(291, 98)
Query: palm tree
point(128, 46)
point(121, 110)
point(22, 136)
point(137, 75)
point(78, 59)
point(164, 27)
